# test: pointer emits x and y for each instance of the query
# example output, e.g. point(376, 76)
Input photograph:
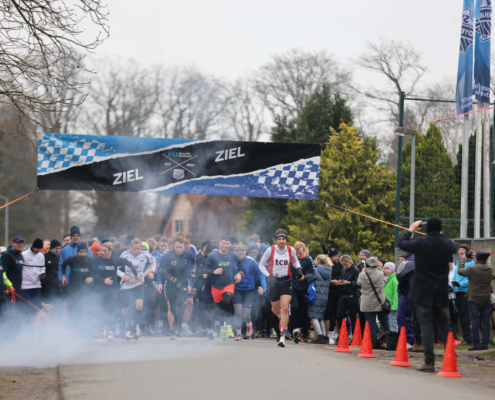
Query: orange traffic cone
point(343, 344)
point(367, 346)
point(401, 357)
point(449, 366)
point(357, 340)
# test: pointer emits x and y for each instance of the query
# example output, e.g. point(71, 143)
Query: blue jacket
point(68, 251)
point(321, 277)
point(251, 271)
point(308, 270)
point(461, 280)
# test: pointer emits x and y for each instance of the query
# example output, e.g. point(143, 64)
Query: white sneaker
point(128, 335)
point(110, 335)
point(117, 330)
point(331, 341)
point(281, 342)
point(138, 331)
point(408, 346)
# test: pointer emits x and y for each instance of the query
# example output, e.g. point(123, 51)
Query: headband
point(281, 235)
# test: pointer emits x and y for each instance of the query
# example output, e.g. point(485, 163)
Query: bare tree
point(191, 105)
point(246, 112)
point(289, 79)
point(41, 44)
point(402, 66)
point(122, 100)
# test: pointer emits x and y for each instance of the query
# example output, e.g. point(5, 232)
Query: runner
point(202, 292)
point(245, 292)
point(279, 278)
point(132, 291)
point(220, 265)
point(104, 272)
point(174, 270)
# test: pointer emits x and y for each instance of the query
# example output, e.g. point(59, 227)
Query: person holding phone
point(349, 291)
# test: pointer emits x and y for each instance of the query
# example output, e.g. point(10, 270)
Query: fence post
point(399, 169)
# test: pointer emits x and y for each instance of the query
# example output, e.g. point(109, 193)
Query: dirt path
point(28, 383)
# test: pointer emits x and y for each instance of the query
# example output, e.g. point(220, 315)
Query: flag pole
point(477, 181)
point(486, 177)
point(464, 180)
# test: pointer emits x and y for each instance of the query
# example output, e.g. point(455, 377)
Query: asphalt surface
point(198, 368)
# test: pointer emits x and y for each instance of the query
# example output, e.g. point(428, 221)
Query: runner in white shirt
point(132, 291)
point(279, 278)
point(32, 273)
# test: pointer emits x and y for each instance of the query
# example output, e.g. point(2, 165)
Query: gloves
point(299, 273)
point(456, 284)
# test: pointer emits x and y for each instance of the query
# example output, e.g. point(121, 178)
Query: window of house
point(178, 225)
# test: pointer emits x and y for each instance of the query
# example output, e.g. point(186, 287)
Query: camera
point(469, 254)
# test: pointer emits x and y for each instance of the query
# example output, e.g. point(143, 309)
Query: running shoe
point(246, 337)
point(127, 335)
point(273, 334)
point(211, 336)
point(230, 332)
point(110, 335)
point(101, 337)
point(238, 338)
point(297, 337)
point(186, 331)
point(258, 335)
point(288, 336)
point(331, 341)
point(281, 342)
point(172, 335)
point(223, 332)
point(137, 331)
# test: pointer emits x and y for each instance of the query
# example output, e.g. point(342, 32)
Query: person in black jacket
point(79, 287)
point(348, 290)
point(50, 288)
point(330, 317)
point(202, 292)
point(105, 270)
point(13, 264)
point(429, 289)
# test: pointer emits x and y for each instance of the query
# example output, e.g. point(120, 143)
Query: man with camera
point(460, 286)
point(479, 292)
point(429, 288)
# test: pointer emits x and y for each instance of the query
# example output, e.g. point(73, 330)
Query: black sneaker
point(327, 340)
point(297, 337)
point(320, 339)
point(484, 348)
point(475, 348)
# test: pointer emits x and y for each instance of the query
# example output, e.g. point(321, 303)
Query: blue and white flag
point(483, 15)
point(464, 89)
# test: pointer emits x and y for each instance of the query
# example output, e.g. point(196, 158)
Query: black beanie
point(482, 256)
point(37, 244)
point(332, 251)
point(55, 243)
point(82, 246)
point(128, 240)
point(74, 230)
point(434, 225)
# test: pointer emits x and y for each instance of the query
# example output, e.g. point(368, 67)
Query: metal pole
point(413, 178)
point(492, 192)
point(399, 169)
point(6, 221)
point(477, 182)
point(464, 178)
point(486, 176)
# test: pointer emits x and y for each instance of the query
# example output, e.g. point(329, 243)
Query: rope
point(394, 225)
point(22, 298)
point(20, 198)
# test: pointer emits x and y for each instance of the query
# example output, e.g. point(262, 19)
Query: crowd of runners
point(130, 288)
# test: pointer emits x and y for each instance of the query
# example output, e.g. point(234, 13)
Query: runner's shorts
point(244, 297)
point(278, 287)
point(128, 297)
point(218, 293)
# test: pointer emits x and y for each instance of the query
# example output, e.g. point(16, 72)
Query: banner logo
point(173, 154)
point(178, 174)
point(484, 22)
point(466, 30)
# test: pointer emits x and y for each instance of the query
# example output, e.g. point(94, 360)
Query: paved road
point(201, 369)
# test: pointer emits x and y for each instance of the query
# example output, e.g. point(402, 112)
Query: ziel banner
point(115, 163)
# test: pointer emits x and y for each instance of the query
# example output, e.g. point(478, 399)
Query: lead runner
point(279, 278)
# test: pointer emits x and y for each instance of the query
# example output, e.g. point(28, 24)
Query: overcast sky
point(231, 38)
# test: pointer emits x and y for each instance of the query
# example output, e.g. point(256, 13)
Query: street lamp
point(6, 220)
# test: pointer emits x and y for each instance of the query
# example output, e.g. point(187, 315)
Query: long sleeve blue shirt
point(461, 280)
point(251, 271)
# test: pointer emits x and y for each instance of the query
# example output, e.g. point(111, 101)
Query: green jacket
point(391, 292)
point(6, 281)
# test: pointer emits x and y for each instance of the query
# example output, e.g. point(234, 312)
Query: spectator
point(479, 292)
point(330, 317)
point(392, 294)
point(66, 239)
point(405, 309)
point(363, 256)
point(429, 289)
point(460, 286)
point(32, 274)
point(373, 296)
point(349, 292)
point(321, 277)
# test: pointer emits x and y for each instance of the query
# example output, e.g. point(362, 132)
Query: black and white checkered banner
point(114, 163)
